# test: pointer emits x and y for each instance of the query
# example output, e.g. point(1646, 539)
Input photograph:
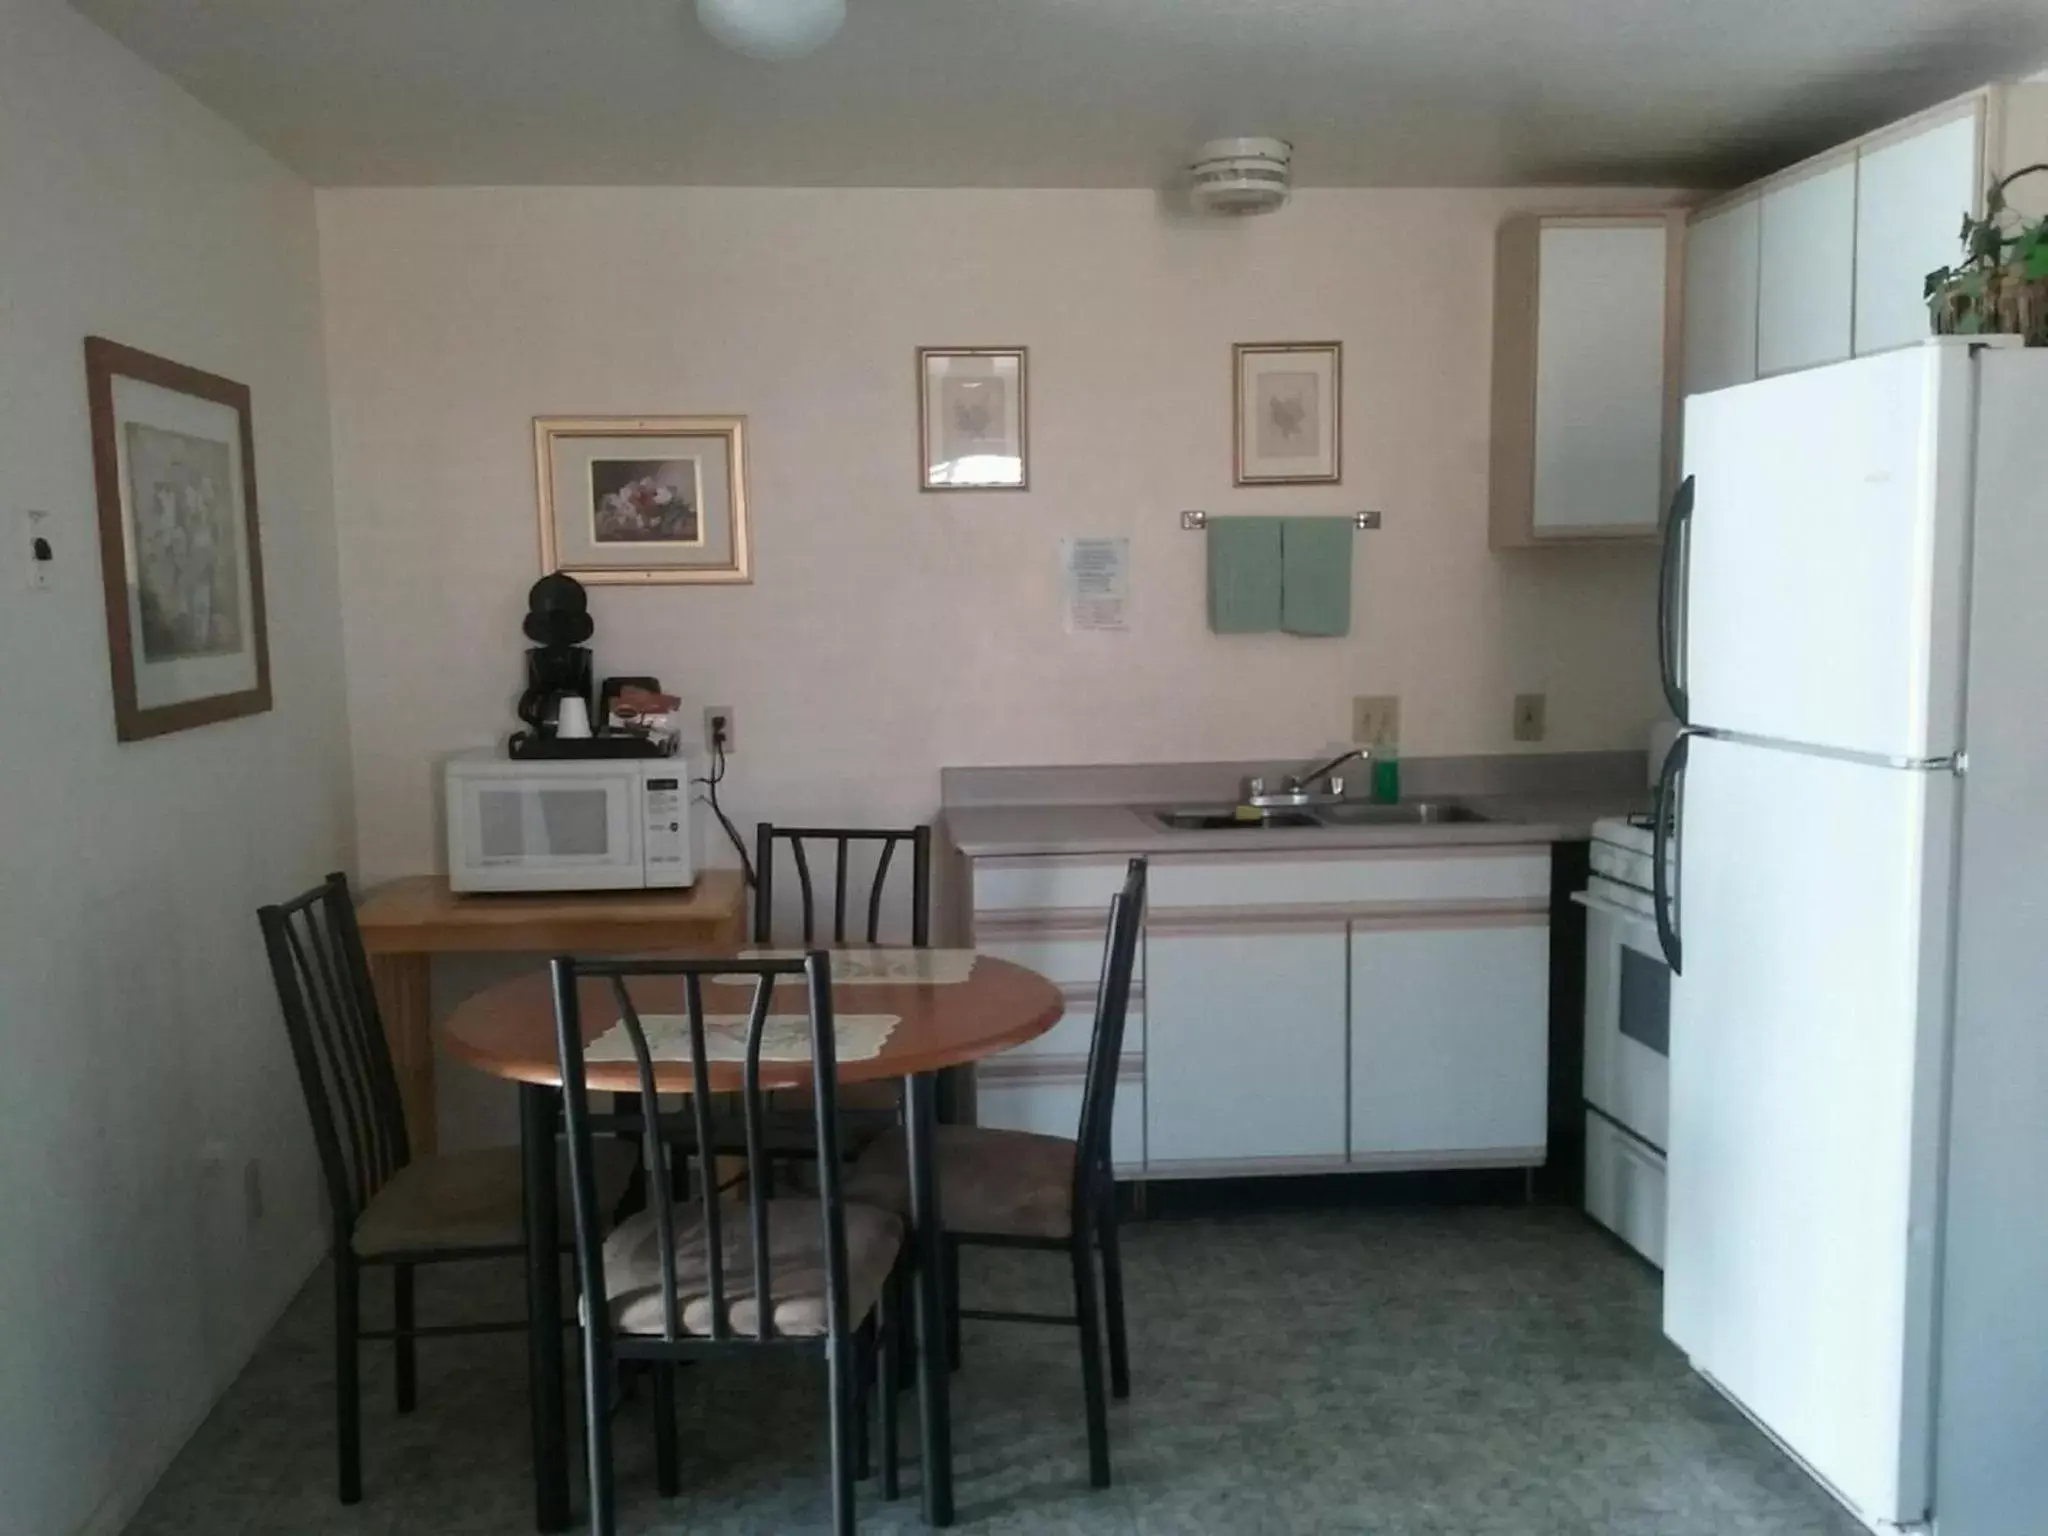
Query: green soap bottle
point(1386, 775)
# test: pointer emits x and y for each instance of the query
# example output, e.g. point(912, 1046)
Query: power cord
point(711, 783)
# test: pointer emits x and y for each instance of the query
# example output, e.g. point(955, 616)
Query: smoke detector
point(1240, 175)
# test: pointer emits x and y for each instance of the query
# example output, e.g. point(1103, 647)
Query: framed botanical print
point(1289, 402)
point(174, 462)
point(643, 500)
point(972, 419)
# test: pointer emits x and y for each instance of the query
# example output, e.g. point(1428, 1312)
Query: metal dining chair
point(389, 1207)
point(713, 1275)
point(1019, 1189)
point(843, 840)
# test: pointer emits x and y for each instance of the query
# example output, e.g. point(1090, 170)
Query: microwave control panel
point(667, 838)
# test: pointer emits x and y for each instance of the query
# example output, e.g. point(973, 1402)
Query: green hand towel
point(1315, 575)
point(1244, 575)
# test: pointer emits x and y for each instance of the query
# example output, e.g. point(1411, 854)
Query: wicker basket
point(1992, 295)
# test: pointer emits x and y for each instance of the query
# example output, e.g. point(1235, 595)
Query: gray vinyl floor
point(1470, 1372)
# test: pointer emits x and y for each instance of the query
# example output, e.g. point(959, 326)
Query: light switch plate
point(1529, 712)
point(1376, 719)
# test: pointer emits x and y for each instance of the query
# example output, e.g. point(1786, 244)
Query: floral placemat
point(784, 1037)
point(913, 967)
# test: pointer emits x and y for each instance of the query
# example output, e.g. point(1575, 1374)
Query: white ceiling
point(1071, 92)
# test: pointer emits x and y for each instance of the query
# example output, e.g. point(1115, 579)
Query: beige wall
point(142, 1064)
point(889, 632)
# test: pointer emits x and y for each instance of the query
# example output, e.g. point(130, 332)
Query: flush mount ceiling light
point(772, 29)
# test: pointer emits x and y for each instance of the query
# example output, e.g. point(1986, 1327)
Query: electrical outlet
point(1376, 720)
point(36, 552)
point(1529, 709)
point(718, 718)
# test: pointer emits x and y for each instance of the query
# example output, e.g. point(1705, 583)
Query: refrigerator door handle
point(1664, 827)
point(1671, 571)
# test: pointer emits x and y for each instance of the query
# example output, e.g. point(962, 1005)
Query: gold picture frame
point(1287, 412)
point(643, 500)
point(981, 438)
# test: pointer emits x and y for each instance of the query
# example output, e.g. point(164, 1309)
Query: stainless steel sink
point(1220, 818)
point(1408, 813)
point(1349, 813)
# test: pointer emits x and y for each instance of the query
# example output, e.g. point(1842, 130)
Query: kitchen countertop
point(1011, 830)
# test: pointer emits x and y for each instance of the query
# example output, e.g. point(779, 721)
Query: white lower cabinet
point(1450, 1044)
point(1244, 1058)
point(1294, 1012)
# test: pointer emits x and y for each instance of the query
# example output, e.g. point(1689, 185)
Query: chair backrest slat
point(843, 840)
point(344, 1062)
point(815, 970)
point(1092, 1158)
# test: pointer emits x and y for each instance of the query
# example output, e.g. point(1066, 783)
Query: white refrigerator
point(1854, 629)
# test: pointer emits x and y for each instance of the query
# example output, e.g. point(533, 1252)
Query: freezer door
point(1806, 1046)
point(1825, 562)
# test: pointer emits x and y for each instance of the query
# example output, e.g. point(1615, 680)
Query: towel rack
point(1197, 521)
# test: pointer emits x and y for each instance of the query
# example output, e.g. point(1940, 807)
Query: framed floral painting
point(643, 500)
point(1288, 398)
point(174, 459)
point(972, 419)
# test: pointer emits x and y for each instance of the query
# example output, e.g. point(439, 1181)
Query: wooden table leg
point(934, 1391)
point(404, 986)
point(545, 1365)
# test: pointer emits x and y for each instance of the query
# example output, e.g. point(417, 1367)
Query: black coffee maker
point(558, 665)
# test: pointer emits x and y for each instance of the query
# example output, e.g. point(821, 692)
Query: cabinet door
point(1601, 319)
point(1911, 196)
point(1450, 1045)
point(1720, 297)
point(1244, 1052)
point(1806, 283)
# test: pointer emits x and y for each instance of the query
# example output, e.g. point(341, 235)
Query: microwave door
point(553, 833)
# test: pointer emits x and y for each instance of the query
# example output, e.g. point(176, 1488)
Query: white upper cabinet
point(1585, 376)
point(1911, 196)
point(1721, 251)
point(1806, 270)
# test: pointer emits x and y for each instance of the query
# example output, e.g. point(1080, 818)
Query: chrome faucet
point(1299, 787)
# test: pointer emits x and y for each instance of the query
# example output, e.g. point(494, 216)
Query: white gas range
point(1628, 1038)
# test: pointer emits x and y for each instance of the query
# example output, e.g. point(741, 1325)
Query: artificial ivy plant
point(2001, 286)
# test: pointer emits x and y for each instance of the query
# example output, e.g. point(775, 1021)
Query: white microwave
point(585, 824)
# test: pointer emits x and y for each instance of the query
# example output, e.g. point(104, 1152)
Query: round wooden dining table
point(509, 1031)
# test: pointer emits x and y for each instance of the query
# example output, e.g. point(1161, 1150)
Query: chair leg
point(863, 1385)
point(667, 1473)
point(1085, 1313)
point(1113, 1302)
point(891, 1315)
point(840, 1368)
point(952, 1246)
point(348, 1402)
point(402, 1325)
point(597, 1430)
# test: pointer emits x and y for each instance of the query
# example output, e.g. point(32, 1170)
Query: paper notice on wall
point(1098, 583)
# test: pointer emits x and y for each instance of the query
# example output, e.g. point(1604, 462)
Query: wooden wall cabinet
point(1587, 321)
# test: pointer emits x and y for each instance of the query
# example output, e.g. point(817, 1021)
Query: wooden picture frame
point(643, 500)
point(1287, 412)
point(973, 419)
point(181, 559)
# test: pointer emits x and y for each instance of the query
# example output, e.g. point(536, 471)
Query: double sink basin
point(1345, 813)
